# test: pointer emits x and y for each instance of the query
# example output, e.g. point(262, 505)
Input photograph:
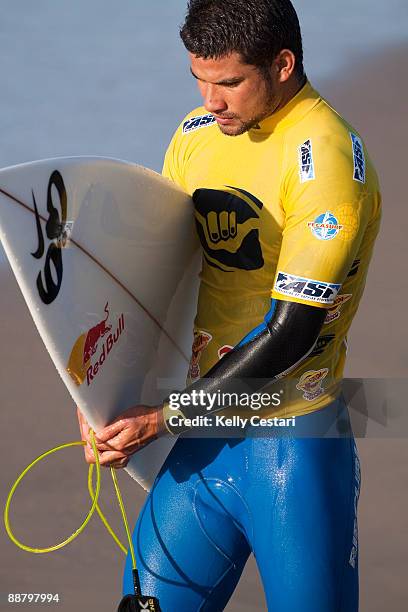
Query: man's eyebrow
point(232, 81)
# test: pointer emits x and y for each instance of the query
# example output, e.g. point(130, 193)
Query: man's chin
point(233, 130)
point(236, 128)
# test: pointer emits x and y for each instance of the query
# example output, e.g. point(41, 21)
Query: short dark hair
point(256, 29)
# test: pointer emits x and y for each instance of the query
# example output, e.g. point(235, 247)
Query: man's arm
point(286, 337)
point(279, 344)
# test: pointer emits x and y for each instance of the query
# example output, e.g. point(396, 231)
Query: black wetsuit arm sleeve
point(281, 344)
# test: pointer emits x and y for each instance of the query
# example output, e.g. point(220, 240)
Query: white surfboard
point(105, 254)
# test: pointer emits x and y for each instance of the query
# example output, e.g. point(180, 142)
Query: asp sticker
point(306, 288)
point(358, 159)
point(306, 164)
point(195, 123)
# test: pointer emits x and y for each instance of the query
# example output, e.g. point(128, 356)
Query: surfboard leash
point(129, 603)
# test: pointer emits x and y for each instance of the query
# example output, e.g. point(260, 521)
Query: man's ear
point(285, 64)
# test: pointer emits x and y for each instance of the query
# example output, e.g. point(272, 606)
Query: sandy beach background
point(38, 413)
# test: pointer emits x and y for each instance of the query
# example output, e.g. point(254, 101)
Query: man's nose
point(214, 101)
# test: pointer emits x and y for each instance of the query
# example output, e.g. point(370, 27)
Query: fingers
point(89, 455)
point(119, 464)
point(84, 426)
point(110, 458)
point(84, 431)
point(112, 430)
point(107, 453)
point(119, 442)
point(115, 437)
point(107, 459)
point(130, 432)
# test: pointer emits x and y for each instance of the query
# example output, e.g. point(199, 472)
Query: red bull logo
point(81, 364)
point(311, 383)
point(335, 312)
point(94, 335)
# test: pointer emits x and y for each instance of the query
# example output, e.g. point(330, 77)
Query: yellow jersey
point(290, 211)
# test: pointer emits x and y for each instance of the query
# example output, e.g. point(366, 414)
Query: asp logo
point(228, 228)
point(358, 159)
point(306, 165)
point(195, 123)
point(306, 288)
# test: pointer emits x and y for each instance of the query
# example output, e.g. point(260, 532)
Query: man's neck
point(290, 91)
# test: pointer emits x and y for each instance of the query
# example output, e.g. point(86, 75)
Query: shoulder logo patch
point(306, 165)
point(306, 288)
point(358, 159)
point(195, 123)
point(325, 226)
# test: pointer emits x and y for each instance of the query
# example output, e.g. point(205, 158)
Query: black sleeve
point(284, 342)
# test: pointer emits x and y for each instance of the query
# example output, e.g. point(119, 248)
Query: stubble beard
point(243, 127)
point(269, 108)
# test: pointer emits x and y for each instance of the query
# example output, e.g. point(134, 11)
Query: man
point(287, 207)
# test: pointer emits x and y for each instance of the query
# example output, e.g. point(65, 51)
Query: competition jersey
point(290, 211)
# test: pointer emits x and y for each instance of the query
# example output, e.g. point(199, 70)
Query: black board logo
point(228, 227)
point(55, 229)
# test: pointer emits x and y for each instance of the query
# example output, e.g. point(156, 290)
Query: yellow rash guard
point(290, 211)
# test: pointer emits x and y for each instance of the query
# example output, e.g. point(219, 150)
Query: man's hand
point(84, 428)
point(127, 434)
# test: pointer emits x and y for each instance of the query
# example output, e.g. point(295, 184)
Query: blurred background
point(98, 77)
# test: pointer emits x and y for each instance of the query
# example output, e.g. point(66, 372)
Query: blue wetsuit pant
point(290, 497)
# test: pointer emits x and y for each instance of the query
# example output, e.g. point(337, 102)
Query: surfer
point(287, 210)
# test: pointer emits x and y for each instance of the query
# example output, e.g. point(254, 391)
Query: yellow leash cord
point(101, 514)
point(94, 496)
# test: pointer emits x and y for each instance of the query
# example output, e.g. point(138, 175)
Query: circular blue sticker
point(325, 226)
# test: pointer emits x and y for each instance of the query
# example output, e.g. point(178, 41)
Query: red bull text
point(81, 364)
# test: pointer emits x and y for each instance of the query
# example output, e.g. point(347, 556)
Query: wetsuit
point(288, 211)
